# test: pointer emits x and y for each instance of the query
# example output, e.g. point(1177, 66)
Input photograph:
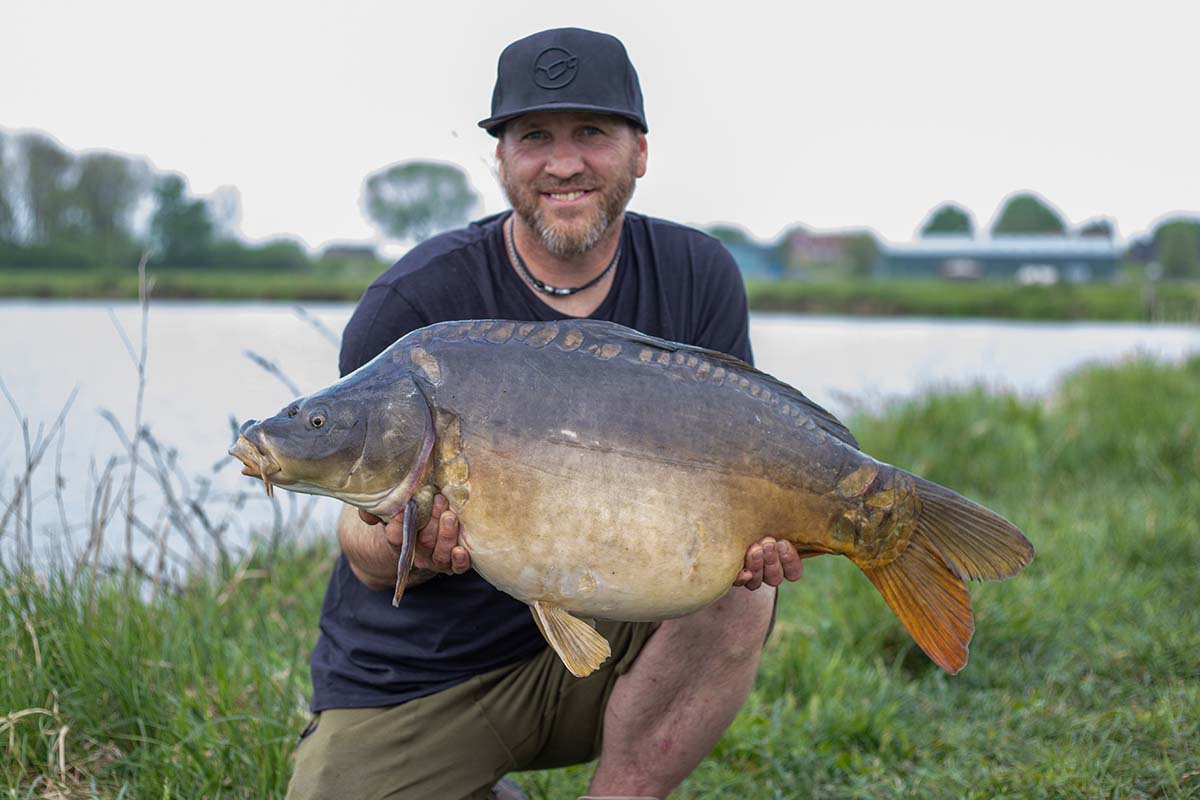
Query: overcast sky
point(833, 115)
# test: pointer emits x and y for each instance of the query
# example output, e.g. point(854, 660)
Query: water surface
point(199, 378)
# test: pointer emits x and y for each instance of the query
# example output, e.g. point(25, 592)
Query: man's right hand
point(437, 548)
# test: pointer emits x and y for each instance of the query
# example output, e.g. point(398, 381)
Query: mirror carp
point(598, 472)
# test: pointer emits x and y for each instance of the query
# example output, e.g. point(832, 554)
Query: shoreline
point(1129, 301)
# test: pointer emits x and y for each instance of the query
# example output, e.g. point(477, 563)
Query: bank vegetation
point(1084, 679)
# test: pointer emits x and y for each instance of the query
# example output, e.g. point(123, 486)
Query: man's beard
point(567, 239)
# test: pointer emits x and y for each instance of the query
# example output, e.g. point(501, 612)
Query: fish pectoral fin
point(408, 550)
point(577, 643)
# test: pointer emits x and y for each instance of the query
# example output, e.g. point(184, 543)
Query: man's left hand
point(770, 561)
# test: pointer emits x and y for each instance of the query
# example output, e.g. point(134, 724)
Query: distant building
point(1025, 259)
point(757, 261)
point(804, 248)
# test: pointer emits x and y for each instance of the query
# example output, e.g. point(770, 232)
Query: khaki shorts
point(458, 742)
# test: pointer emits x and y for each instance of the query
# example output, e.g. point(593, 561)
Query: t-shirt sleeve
point(722, 321)
point(381, 317)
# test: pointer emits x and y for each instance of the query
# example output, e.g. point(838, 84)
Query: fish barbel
point(600, 472)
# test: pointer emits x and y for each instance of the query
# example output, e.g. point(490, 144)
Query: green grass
point(1126, 301)
point(199, 694)
point(1084, 679)
point(184, 284)
point(1129, 300)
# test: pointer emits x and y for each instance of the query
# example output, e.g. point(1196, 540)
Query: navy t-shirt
point(671, 281)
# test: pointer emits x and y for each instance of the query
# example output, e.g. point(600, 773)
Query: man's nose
point(566, 160)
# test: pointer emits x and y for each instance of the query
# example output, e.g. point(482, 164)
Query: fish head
point(360, 440)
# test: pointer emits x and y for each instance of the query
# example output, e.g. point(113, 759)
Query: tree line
point(1174, 244)
point(64, 210)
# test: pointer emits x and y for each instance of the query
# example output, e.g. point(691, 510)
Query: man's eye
point(534, 136)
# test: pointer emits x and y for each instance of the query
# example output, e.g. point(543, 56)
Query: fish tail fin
point(955, 539)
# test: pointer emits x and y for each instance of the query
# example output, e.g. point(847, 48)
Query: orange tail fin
point(955, 539)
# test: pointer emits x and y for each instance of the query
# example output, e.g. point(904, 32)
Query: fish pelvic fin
point(577, 643)
point(955, 539)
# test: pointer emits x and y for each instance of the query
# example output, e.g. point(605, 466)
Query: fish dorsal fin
point(577, 643)
point(822, 418)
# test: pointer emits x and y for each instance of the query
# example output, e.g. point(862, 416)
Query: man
point(442, 696)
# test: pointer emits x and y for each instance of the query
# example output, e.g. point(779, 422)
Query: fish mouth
point(257, 463)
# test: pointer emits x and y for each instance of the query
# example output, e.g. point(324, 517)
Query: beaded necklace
point(542, 286)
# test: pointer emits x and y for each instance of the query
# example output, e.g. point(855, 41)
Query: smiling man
point(442, 696)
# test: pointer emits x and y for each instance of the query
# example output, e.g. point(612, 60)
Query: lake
point(199, 377)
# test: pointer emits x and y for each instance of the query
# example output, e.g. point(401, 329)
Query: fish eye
point(317, 420)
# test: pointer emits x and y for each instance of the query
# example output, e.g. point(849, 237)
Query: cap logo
point(554, 68)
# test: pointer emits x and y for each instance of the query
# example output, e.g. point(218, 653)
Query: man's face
point(569, 175)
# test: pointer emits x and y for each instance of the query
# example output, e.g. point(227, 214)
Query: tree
point(949, 218)
point(416, 199)
point(862, 251)
point(1098, 228)
point(1178, 245)
point(45, 196)
point(225, 211)
point(8, 222)
point(1028, 213)
point(181, 229)
point(729, 234)
point(107, 190)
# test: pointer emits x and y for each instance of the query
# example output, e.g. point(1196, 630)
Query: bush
point(58, 255)
point(278, 255)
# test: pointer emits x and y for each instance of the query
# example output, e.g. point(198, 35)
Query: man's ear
point(499, 160)
point(641, 159)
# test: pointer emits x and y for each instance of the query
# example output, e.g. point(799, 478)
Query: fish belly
point(607, 534)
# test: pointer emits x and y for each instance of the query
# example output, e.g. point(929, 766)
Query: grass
point(1084, 678)
point(216, 284)
point(1130, 300)
point(199, 694)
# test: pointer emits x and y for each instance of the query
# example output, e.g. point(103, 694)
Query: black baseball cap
point(565, 69)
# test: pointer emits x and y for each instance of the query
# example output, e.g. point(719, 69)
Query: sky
point(762, 114)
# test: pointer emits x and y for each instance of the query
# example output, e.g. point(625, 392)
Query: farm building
point(1025, 259)
point(756, 261)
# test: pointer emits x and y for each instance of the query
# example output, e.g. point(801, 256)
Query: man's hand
point(437, 549)
point(769, 561)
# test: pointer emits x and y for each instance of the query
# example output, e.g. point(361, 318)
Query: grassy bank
point(1129, 301)
point(184, 285)
point(1084, 678)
